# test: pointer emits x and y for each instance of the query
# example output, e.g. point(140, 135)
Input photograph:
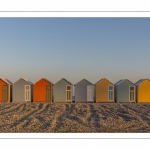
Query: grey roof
point(101, 80)
point(82, 80)
point(6, 81)
point(65, 80)
point(122, 80)
point(27, 81)
point(140, 81)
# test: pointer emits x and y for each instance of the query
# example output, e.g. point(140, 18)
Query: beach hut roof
point(82, 80)
point(45, 80)
point(48, 81)
point(27, 81)
point(122, 80)
point(65, 80)
point(6, 81)
point(101, 80)
point(140, 81)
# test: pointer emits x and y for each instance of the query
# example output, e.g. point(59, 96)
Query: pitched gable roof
point(101, 80)
point(83, 80)
point(48, 81)
point(65, 80)
point(141, 81)
point(27, 81)
point(45, 80)
point(122, 80)
point(6, 81)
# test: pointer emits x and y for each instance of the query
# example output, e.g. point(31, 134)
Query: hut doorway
point(48, 92)
point(110, 93)
point(27, 92)
point(5, 92)
point(89, 92)
point(68, 93)
point(131, 93)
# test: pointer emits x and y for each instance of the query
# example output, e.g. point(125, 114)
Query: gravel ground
point(74, 117)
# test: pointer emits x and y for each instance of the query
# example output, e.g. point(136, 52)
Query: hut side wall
point(10, 93)
point(32, 92)
point(102, 91)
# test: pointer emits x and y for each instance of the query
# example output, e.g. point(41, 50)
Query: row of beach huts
point(84, 91)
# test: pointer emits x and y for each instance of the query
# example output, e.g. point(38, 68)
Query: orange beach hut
point(43, 91)
point(104, 91)
point(143, 90)
point(5, 90)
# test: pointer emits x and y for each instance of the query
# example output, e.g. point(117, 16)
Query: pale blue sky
point(75, 48)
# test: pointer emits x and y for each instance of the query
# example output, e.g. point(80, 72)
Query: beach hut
point(43, 91)
point(63, 91)
point(84, 91)
point(23, 91)
point(125, 91)
point(104, 91)
point(5, 90)
point(143, 90)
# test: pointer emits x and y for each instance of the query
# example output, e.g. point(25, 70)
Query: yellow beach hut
point(104, 91)
point(143, 90)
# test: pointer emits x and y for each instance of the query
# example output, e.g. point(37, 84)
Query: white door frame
point(129, 94)
point(91, 94)
point(113, 92)
point(28, 92)
point(70, 93)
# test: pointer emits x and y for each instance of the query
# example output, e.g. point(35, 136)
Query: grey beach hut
point(63, 91)
point(23, 91)
point(84, 91)
point(125, 91)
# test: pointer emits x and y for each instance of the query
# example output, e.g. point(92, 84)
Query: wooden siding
point(102, 91)
point(40, 91)
point(2, 83)
point(143, 90)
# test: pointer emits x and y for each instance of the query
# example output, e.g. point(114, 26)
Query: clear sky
point(75, 48)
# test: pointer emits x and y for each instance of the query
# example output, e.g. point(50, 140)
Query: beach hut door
point(48, 93)
point(131, 93)
point(27, 92)
point(68, 93)
point(90, 92)
point(5, 93)
point(110, 93)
